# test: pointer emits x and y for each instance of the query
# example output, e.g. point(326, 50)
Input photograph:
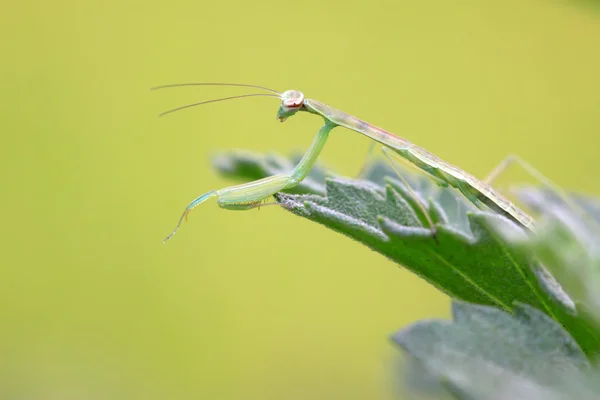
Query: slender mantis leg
point(249, 195)
point(368, 159)
point(434, 178)
point(388, 155)
point(513, 158)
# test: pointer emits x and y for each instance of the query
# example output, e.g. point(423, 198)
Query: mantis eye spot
point(292, 103)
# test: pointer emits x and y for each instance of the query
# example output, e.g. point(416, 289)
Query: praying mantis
point(249, 195)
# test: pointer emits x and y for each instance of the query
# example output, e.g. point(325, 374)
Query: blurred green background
point(248, 305)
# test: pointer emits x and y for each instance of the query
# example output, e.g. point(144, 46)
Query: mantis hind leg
point(417, 200)
point(512, 159)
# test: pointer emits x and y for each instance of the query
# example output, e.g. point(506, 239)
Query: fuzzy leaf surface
point(475, 256)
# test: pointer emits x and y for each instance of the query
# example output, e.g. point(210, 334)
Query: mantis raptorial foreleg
point(249, 195)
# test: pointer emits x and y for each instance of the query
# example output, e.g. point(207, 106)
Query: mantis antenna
point(214, 84)
point(216, 100)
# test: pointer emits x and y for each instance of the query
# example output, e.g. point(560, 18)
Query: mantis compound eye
point(292, 99)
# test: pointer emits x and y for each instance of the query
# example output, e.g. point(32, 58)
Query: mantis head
point(292, 101)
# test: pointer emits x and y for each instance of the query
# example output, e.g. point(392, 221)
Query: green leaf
point(477, 257)
point(486, 353)
point(469, 266)
point(567, 243)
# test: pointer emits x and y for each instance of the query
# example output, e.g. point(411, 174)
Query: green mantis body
point(251, 194)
